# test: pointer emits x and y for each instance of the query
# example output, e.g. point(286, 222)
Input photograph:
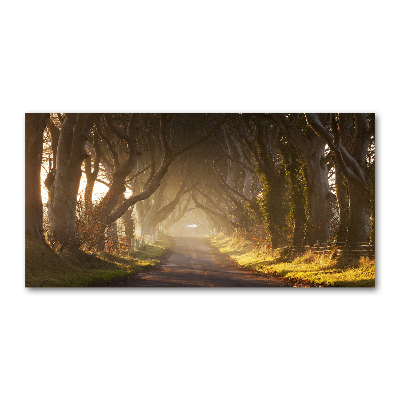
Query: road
point(194, 263)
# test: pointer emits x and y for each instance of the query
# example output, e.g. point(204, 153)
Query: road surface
point(194, 263)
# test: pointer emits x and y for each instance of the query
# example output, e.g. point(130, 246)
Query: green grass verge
point(46, 268)
point(309, 267)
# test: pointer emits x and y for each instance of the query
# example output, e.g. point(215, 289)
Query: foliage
point(297, 195)
point(322, 270)
point(46, 268)
point(91, 227)
point(273, 202)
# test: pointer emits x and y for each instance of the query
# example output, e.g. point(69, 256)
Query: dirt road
point(194, 263)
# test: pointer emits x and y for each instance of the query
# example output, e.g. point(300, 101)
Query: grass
point(46, 268)
point(311, 268)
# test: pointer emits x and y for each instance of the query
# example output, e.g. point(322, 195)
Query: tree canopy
point(289, 180)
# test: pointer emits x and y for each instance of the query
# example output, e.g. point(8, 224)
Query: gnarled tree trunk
point(320, 209)
point(312, 149)
point(353, 166)
point(343, 202)
point(70, 155)
point(359, 219)
point(129, 225)
point(34, 127)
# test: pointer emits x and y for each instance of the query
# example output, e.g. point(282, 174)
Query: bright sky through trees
point(99, 189)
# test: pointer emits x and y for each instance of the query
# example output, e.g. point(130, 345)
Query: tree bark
point(70, 155)
point(343, 202)
point(312, 149)
point(273, 202)
point(295, 168)
point(34, 127)
point(359, 220)
point(353, 167)
point(92, 173)
point(342, 131)
point(320, 211)
point(129, 226)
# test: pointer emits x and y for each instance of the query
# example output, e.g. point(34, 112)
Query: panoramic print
point(200, 200)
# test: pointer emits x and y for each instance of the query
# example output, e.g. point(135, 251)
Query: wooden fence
point(353, 250)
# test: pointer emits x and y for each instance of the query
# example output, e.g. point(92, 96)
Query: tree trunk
point(359, 221)
point(343, 202)
point(320, 210)
point(296, 173)
point(128, 225)
point(299, 206)
point(312, 149)
point(62, 213)
point(112, 237)
point(101, 242)
point(70, 154)
point(248, 184)
point(34, 127)
point(146, 219)
point(274, 208)
point(273, 204)
point(353, 167)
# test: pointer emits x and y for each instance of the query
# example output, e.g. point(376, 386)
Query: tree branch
point(349, 166)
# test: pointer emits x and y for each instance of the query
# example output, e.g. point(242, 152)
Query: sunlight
point(287, 194)
point(98, 192)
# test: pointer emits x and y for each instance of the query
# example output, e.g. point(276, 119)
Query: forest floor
point(193, 262)
point(303, 269)
point(46, 268)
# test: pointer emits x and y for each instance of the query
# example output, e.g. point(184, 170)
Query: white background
point(253, 56)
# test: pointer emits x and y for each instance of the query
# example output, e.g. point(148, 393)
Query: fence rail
point(353, 250)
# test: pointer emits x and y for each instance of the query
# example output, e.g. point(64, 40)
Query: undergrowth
point(46, 268)
point(317, 269)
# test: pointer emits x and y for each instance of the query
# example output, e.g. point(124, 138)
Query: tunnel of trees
point(283, 179)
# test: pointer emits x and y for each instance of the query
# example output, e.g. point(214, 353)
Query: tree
point(265, 173)
point(167, 157)
point(67, 174)
point(296, 174)
point(34, 127)
point(125, 137)
point(312, 149)
point(177, 213)
point(260, 137)
point(353, 165)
